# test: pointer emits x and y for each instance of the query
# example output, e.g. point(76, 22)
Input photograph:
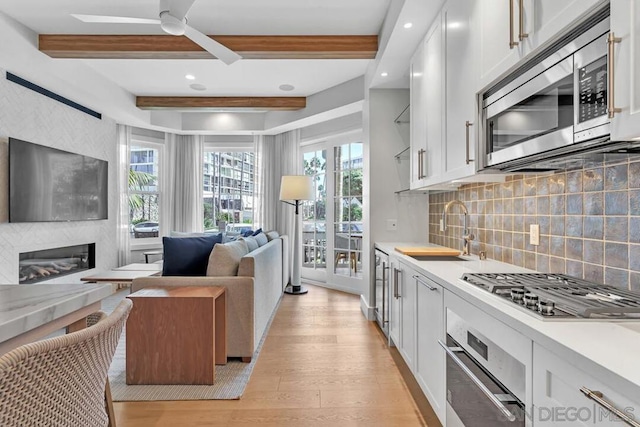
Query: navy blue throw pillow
point(258, 231)
point(187, 256)
point(247, 233)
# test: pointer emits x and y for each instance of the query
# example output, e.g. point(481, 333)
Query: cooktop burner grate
point(572, 297)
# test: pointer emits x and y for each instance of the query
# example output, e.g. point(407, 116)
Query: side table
point(176, 335)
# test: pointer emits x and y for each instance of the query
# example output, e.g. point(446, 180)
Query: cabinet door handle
point(429, 286)
point(512, 42)
point(419, 164)
point(422, 155)
point(598, 398)
point(396, 279)
point(611, 41)
point(385, 285)
point(468, 124)
point(522, 35)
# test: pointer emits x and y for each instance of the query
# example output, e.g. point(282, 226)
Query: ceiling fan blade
point(180, 8)
point(101, 19)
point(218, 50)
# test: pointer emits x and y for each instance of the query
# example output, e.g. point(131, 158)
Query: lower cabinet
point(559, 401)
point(430, 357)
point(407, 286)
point(394, 301)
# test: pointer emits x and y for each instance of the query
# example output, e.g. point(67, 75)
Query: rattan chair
point(61, 381)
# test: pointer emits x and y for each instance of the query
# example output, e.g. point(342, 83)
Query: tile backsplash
point(589, 221)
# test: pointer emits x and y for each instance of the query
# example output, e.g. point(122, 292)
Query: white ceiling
point(228, 17)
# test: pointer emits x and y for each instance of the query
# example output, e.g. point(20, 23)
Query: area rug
point(231, 379)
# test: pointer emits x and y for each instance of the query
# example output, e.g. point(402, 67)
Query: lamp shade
point(296, 187)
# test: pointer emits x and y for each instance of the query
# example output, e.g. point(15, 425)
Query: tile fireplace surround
point(589, 221)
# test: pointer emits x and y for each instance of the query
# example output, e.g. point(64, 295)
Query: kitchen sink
point(437, 258)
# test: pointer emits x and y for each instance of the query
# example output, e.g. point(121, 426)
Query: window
point(314, 225)
point(143, 191)
point(348, 209)
point(228, 190)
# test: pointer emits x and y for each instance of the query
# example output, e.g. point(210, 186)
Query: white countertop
point(25, 307)
point(600, 348)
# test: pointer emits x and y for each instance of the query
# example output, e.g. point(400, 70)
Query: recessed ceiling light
point(197, 86)
point(385, 74)
point(190, 77)
point(408, 25)
point(286, 87)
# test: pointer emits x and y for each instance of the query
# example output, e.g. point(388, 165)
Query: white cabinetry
point(426, 108)
point(502, 35)
point(394, 301)
point(430, 358)
point(558, 400)
point(407, 290)
point(418, 128)
point(625, 26)
point(458, 144)
point(510, 30)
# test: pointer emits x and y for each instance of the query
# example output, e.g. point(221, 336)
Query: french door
point(332, 228)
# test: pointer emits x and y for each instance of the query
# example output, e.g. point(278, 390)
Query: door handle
point(512, 42)
point(598, 398)
point(429, 286)
point(420, 164)
point(467, 125)
point(396, 279)
point(384, 286)
point(611, 107)
point(422, 155)
point(522, 35)
point(492, 397)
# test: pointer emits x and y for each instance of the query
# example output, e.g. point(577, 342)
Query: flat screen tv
point(46, 184)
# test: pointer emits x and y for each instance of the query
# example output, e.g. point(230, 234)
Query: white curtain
point(276, 156)
point(122, 182)
point(267, 183)
point(181, 184)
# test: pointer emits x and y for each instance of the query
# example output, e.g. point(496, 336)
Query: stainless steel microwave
point(554, 110)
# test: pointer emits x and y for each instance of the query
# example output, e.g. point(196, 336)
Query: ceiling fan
point(173, 21)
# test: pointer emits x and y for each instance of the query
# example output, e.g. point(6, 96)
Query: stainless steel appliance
point(382, 290)
point(553, 113)
point(485, 384)
point(558, 296)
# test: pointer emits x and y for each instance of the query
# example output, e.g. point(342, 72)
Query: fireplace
point(47, 264)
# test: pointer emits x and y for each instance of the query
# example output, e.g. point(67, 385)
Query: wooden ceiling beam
point(220, 102)
point(172, 47)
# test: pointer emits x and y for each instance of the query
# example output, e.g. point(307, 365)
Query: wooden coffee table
point(176, 335)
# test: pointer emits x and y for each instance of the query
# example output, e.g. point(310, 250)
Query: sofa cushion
point(272, 235)
point(258, 231)
point(247, 233)
point(251, 241)
point(225, 258)
point(261, 239)
point(186, 234)
point(187, 256)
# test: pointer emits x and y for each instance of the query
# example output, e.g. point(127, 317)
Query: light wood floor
point(322, 364)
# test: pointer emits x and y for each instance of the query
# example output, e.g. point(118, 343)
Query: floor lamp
point(293, 189)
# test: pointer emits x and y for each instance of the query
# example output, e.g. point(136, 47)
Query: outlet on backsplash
point(534, 234)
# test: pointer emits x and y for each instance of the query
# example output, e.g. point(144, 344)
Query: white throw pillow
point(261, 238)
point(225, 258)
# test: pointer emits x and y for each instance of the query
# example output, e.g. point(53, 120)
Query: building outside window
point(143, 191)
point(228, 190)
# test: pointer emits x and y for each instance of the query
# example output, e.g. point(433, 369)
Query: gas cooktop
point(558, 296)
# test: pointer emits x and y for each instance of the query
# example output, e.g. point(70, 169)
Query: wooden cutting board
point(427, 251)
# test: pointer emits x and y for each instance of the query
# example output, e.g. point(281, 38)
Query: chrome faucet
point(467, 237)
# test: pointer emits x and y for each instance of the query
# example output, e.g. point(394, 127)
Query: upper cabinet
point(426, 109)
point(509, 30)
point(624, 57)
point(418, 125)
point(458, 148)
